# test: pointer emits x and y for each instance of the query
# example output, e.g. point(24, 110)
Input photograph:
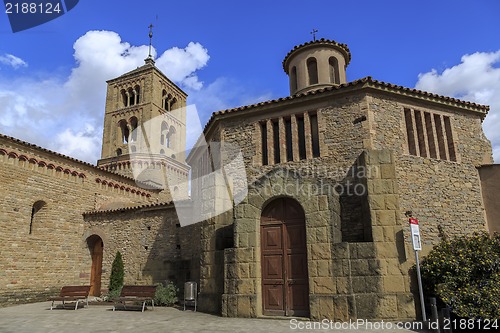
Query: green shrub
point(117, 274)
point(166, 295)
point(113, 294)
point(464, 273)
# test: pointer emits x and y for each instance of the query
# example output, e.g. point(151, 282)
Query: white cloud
point(476, 79)
point(180, 64)
point(13, 61)
point(65, 114)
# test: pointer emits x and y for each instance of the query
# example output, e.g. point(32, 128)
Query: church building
point(304, 216)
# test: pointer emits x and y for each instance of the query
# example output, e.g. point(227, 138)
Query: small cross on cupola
point(313, 32)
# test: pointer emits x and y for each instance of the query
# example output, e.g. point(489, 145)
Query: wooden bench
point(135, 294)
point(72, 293)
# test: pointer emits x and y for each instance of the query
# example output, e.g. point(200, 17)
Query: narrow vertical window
point(302, 137)
point(288, 139)
point(276, 139)
point(334, 70)
point(449, 137)
point(137, 94)
point(124, 131)
point(312, 70)
point(430, 135)
point(410, 133)
point(133, 127)
point(131, 97)
point(35, 215)
point(293, 79)
point(313, 119)
point(440, 136)
point(124, 97)
point(163, 133)
point(263, 133)
point(420, 133)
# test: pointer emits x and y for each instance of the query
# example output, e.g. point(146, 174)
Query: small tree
point(117, 274)
point(464, 272)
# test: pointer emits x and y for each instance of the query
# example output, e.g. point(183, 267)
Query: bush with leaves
point(117, 274)
point(464, 273)
point(166, 295)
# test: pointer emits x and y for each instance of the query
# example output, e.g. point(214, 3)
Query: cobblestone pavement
point(38, 317)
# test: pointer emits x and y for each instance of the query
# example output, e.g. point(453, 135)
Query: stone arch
point(322, 217)
point(284, 264)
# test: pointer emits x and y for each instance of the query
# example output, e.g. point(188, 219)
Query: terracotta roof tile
point(342, 47)
point(127, 209)
point(33, 146)
point(366, 81)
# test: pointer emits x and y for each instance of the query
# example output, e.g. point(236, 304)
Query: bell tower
point(317, 64)
point(145, 126)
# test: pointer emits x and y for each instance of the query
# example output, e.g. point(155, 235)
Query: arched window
point(173, 104)
point(164, 99)
point(119, 152)
point(171, 137)
point(137, 90)
point(133, 149)
point(293, 78)
point(122, 124)
point(36, 215)
point(162, 152)
point(131, 96)
point(163, 133)
point(334, 70)
point(133, 127)
point(312, 70)
point(124, 97)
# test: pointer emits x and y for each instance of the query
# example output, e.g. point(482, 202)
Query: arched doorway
point(285, 279)
point(95, 245)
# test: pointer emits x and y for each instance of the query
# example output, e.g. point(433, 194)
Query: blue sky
point(229, 53)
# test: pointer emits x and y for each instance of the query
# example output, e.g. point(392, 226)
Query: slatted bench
point(136, 294)
point(72, 294)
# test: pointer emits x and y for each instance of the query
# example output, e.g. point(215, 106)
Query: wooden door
point(285, 283)
point(96, 245)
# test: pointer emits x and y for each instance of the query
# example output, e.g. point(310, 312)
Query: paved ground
point(98, 318)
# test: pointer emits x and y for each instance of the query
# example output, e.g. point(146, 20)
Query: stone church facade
point(321, 231)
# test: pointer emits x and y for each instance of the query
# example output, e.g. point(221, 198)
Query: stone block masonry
point(42, 230)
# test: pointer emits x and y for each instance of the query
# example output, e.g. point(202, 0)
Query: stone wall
point(490, 187)
point(439, 192)
point(43, 253)
point(154, 247)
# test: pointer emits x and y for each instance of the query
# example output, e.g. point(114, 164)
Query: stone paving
point(38, 317)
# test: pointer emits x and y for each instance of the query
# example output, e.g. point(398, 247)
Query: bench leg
point(76, 305)
point(52, 306)
point(143, 305)
point(153, 304)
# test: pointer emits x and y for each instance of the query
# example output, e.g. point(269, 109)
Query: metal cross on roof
point(314, 33)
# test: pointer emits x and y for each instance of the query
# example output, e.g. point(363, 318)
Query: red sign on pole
point(413, 220)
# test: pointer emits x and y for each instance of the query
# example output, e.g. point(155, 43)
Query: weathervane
point(150, 39)
point(314, 33)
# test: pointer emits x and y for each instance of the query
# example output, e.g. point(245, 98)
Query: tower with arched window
point(316, 64)
point(144, 124)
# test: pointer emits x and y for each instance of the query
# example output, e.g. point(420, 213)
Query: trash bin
point(190, 294)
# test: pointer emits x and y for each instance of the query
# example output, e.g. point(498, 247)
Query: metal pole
point(420, 290)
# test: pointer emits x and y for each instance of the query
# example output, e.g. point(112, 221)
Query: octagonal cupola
point(316, 64)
